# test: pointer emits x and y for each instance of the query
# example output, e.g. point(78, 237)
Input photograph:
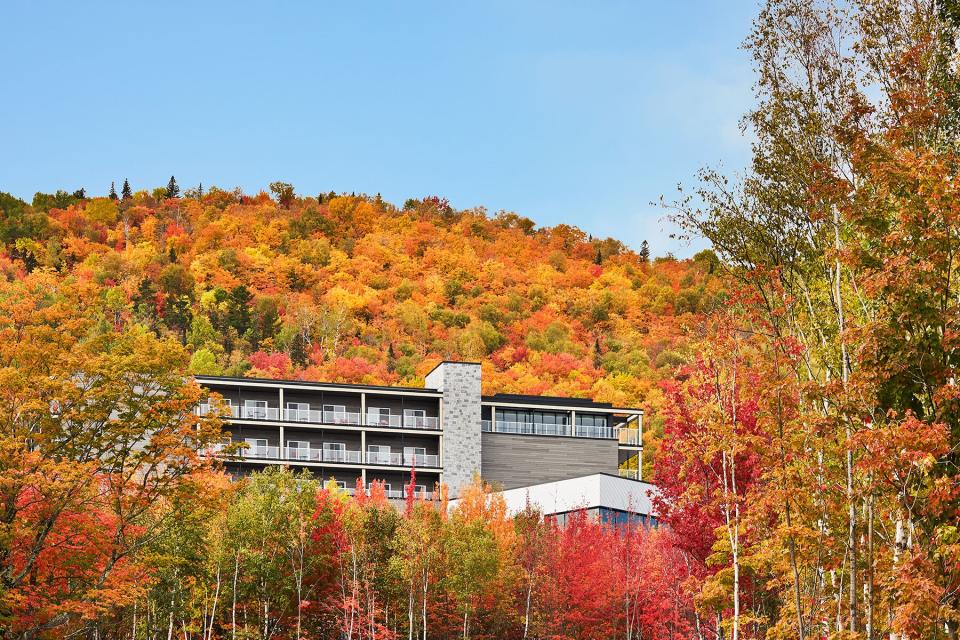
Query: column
point(459, 382)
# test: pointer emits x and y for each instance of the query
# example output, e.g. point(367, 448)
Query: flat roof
point(310, 383)
point(584, 492)
point(554, 401)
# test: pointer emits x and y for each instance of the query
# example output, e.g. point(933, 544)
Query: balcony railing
point(421, 460)
point(633, 474)
point(589, 431)
point(380, 420)
point(341, 456)
point(625, 436)
point(528, 428)
point(305, 454)
point(398, 421)
point(260, 452)
point(383, 457)
point(314, 416)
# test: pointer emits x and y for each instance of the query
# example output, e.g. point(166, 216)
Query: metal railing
point(309, 454)
point(633, 474)
point(383, 457)
point(260, 452)
point(421, 422)
point(624, 436)
point(421, 460)
point(343, 456)
point(314, 416)
point(406, 422)
point(590, 431)
point(380, 420)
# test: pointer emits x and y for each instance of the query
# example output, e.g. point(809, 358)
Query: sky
point(581, 113)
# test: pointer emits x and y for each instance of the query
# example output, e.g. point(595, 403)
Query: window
point(298, 449)
point(341, 484)
point(334, 452)
point(299, 411)
point(378, 416)
point(414, 417)
point(257, 447)
point(335, 413)
point(378, 453)
point(414, 455)
point(256, 409)
point(419, 489)
point(386, 487)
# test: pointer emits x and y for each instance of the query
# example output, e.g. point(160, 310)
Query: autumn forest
point(798, 378)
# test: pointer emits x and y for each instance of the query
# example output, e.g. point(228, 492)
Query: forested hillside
point(353, 289)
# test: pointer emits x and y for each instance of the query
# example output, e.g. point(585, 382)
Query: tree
point(80, 486)
point(113, 191)
point(126, 193)
point(644, 252)
point(283, 192)
point(173, 190)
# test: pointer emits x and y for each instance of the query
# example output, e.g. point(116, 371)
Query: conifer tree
point(598, 259)
point(113, 191)
point(173, 190)
point(645, 251)
point(126, 193)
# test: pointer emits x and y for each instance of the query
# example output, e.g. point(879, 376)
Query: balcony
point(633, 474)
point(385, 458)
point(314, 416)
point(421, 460)
point(404, 422)
point(403, 459)
point(271, 453)
point(341, 456)
point(624, 436)
point(602, 433)
point(527, 428)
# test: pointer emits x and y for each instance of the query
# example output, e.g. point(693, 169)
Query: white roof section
point(585, 492)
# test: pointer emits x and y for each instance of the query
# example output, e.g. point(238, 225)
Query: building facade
point(446, 430)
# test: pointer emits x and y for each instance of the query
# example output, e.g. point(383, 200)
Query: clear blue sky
point(579, 112)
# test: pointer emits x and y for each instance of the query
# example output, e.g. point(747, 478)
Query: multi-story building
point(446, 430)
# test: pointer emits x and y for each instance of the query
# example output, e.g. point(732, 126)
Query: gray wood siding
point(518, 460)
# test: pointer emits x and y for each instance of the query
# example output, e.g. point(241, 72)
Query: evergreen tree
point(645, 251)
point(126, 193)
point(173, 190)
point(80, 194)
point(113, 191)
point(598, 259)
point(391, 358)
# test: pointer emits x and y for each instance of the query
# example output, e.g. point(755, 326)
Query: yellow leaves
point(102, 210)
